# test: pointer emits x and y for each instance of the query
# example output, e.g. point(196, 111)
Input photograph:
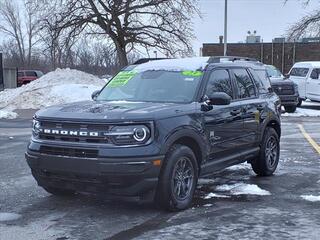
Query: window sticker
point(121, 79)
point(192, 73)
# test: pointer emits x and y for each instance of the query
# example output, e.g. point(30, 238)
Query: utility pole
point(1, 73)
point(225, 27)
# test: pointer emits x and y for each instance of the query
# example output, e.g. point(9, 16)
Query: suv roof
point(197, 63)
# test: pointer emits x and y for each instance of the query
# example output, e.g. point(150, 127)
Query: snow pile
point(243, 189)
point(8, 114)
point(57, 87)
point(311, 198)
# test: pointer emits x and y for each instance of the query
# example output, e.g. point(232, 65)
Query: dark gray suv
point(156, 127)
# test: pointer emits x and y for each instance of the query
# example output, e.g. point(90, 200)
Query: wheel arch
point(191, 139)
point(275, 125)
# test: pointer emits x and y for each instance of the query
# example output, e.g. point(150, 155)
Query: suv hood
point(280, 81)
point(113, 110)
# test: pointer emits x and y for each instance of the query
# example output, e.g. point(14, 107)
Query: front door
point(313, 85)
point(223, 124)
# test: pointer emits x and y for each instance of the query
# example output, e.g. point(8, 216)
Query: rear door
point(250, 104)
point(313, 85)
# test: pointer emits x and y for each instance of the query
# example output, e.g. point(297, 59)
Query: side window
point(219, 81)
point(245, 84)
point(315, 73)
point(264, 81)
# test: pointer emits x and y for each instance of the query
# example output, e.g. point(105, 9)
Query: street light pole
point(225, 27)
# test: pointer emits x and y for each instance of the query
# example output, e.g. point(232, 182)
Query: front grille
point(75, 127)
point(70, 152)
point(283, 89)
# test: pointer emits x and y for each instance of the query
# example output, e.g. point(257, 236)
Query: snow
point(7, 114)
point(4, 216)
point(311, 198)
point(308, 109)
point(214, 195)
point(208, 205)
point(243, 189)
point(181, 64)
point(57, 87)
point(302, 112)
point(242, 166)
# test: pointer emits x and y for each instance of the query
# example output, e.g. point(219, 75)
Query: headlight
point(130, 135)
point(36, 126)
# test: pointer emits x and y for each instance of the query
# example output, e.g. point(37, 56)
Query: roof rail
point(145, 60)
point(217, 59)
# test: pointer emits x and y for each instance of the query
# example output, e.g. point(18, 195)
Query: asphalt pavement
point(233, 204)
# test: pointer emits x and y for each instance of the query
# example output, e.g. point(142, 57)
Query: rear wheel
point(59, 191)
point(290, 109)
point(178, 179)
point(268, 159)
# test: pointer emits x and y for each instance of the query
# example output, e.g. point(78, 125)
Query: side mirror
point(286, 76)
point(95, 94)
point(218, 98)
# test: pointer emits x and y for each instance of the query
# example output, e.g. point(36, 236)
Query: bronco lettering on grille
point(70, 133)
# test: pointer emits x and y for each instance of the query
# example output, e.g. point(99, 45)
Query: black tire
point(267, 162)
point(290, 109)
point(176, 186)
point(299, 102)
point(59, 191)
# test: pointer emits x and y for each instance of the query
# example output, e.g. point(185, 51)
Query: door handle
point(235, 112)
point(260, 107)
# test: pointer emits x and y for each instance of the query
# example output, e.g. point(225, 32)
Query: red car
point(26, 76)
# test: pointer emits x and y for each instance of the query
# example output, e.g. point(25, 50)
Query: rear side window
point(20, 74)
point(246, 87)
point(263, 81)
point(299, 72)
point(315, 73)
point(219, 81)
point(31, 74)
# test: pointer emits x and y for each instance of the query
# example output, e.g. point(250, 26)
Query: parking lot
point(233, 204)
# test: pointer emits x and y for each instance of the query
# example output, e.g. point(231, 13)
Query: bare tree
point(11, 25)
point(131, 24)
point(308, 25)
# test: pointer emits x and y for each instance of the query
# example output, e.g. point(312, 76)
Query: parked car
point(286, 89)
point(156, 127)
point(27, 76)
point(306, 76)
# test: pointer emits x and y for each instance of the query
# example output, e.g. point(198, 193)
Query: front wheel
point(178, 179)
point(268, 159)
point(290, 109)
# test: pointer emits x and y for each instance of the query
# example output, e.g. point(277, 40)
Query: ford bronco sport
point(156, 127)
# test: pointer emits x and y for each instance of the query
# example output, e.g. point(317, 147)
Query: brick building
point(281, 55)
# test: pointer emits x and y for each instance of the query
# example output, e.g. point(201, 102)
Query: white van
point(306, 76)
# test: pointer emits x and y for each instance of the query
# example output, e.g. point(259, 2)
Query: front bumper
point(289, 100)
point(117, 176)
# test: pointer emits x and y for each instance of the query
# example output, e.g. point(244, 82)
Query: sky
point(270, 18)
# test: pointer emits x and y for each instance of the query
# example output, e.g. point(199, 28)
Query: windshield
point(152, 86)
point(273, 71)
point(299, 72)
